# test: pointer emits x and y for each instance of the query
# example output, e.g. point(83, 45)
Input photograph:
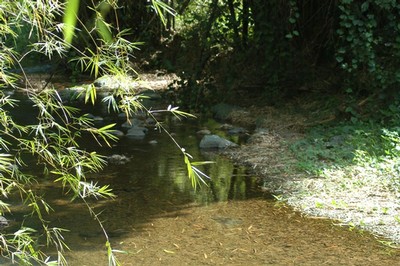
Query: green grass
point(367, 145)
point(357, 170)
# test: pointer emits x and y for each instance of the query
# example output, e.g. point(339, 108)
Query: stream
point(158, 218)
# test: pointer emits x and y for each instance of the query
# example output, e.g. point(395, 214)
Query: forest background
point(250, 53)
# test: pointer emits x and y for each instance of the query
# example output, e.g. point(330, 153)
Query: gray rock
point(237, 131)
point(103, 94)
point(95, 118)
point(118, 159)
point(203, 132)
point(149, 98)
point(226, 126)
point(215, 142)
point(261, 130)
point(3, 222)
point(137, 132)
point(98, 119)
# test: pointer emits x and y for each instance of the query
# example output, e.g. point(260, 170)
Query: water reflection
point(153, 183)
point(160, 169)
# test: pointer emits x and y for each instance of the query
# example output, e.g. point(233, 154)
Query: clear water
point(159, 219)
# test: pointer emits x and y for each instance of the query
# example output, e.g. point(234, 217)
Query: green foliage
point(391, 114)
point(196, 96)
point(51, 142)
point(367, 49)
point(291, 44)
point(369, 145)
point(107, 57)
point(324, 147)
point(70, 18)
point(195, 175)
point(103, 28)
point(161, 8)
point(293, 19)
point(242, 38)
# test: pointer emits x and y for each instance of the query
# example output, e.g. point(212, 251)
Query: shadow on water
point(159, 219)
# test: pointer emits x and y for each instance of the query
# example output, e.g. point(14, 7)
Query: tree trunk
point(183, 7)
point(245, 23)
point(205, 34)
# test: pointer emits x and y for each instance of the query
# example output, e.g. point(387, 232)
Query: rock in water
point(215, 142)
point(118, 159)
point(137, 132)
point(3, 222)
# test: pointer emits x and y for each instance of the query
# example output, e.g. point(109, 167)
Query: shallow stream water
point(159, 219)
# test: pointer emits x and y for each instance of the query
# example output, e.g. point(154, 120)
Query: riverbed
point(159, 219)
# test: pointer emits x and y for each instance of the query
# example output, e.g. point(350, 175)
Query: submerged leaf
point(168, 251)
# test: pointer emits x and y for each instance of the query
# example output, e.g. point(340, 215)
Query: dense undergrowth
point(367, 137)
point(352, 172)
point(368, 145)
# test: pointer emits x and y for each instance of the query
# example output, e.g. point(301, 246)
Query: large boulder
point(215, 142)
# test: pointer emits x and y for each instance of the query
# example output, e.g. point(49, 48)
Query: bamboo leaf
point(91, 94)
point(105, 128)
point(70, 18)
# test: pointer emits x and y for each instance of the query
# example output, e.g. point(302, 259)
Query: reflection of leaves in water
point(229, 181)
point(221, 175)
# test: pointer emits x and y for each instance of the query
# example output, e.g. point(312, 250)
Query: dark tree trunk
point(205, 34)
point(183, 7)
point(245, 23)
point(234, 23)
point(170, 18)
